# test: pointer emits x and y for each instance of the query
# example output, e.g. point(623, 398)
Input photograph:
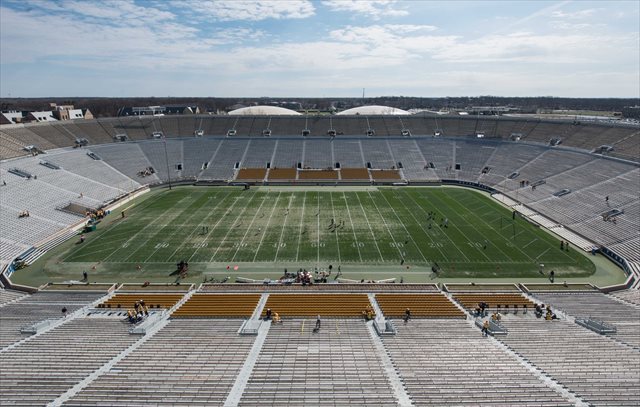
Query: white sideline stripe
point(242, 379)
point(399, 391)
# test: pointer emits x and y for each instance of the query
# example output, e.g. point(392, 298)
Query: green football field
point(463, 232)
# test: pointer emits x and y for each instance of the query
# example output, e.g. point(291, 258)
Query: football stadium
point(267, 257)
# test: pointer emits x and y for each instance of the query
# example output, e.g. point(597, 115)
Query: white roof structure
point(374, 110)
point(264, 111)
point(75, 114)
point(46, 116)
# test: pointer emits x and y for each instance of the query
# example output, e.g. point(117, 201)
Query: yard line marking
point(140, 246)
point(284, 223)
point(405, 228)
point(529, 243)
point(387, 226)
point(267, 226)
point(246, 232)
point(492, 228)
point(429, 235)
point(542, 254)
point(318, 221)
point(185, 223)
point(369, 224)
point(211, 212)
point(352, 226)
point(335, 230)
point(206, 237)
point(458, 229)
point(304, 199)
point(92, 242)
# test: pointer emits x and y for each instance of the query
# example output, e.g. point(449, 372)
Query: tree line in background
point(108, 107)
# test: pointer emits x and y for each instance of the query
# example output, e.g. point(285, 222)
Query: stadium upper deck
point(624, 140)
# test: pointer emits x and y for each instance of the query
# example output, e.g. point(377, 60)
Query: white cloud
point(249, 10)
point(375, 9)
point(575, 15)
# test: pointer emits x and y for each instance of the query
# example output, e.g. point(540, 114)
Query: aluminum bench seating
point(49, 365)
point(152, 300)
point(494, 300)
point(188, 362)
point(335, 366)
point(446, 361)
point(326, 305)
point(218, 305)
point(592, 366)
point(433, 305)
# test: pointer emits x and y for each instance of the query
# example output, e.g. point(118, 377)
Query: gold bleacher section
point(151, 300)
point(318, 174)
point(282, 174)
point(470, 301)
point(311, 305)
point(218, 305)
point(385, 174)
point(434, 305)
point(354, 173)
point(251, 174)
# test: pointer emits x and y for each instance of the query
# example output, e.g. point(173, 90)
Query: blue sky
point(326, 48)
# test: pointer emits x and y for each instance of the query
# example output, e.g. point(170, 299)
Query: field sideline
point(374, 227)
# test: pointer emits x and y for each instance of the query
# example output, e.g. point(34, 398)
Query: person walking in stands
point(318, 323)
point(85, 276)
point(267, 314)
point(64, 312)
point(485, 328)
point(407, 315)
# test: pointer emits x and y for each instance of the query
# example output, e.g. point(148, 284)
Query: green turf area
point(266, 228)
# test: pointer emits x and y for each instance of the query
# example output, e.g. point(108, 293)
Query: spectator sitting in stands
point(276, 318)
point(496, 317)
point(478, 310)
point(538, 311)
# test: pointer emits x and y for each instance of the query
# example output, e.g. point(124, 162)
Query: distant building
point(11, 117)
point(631, 112)
point(158, 110)
point(45, 116)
